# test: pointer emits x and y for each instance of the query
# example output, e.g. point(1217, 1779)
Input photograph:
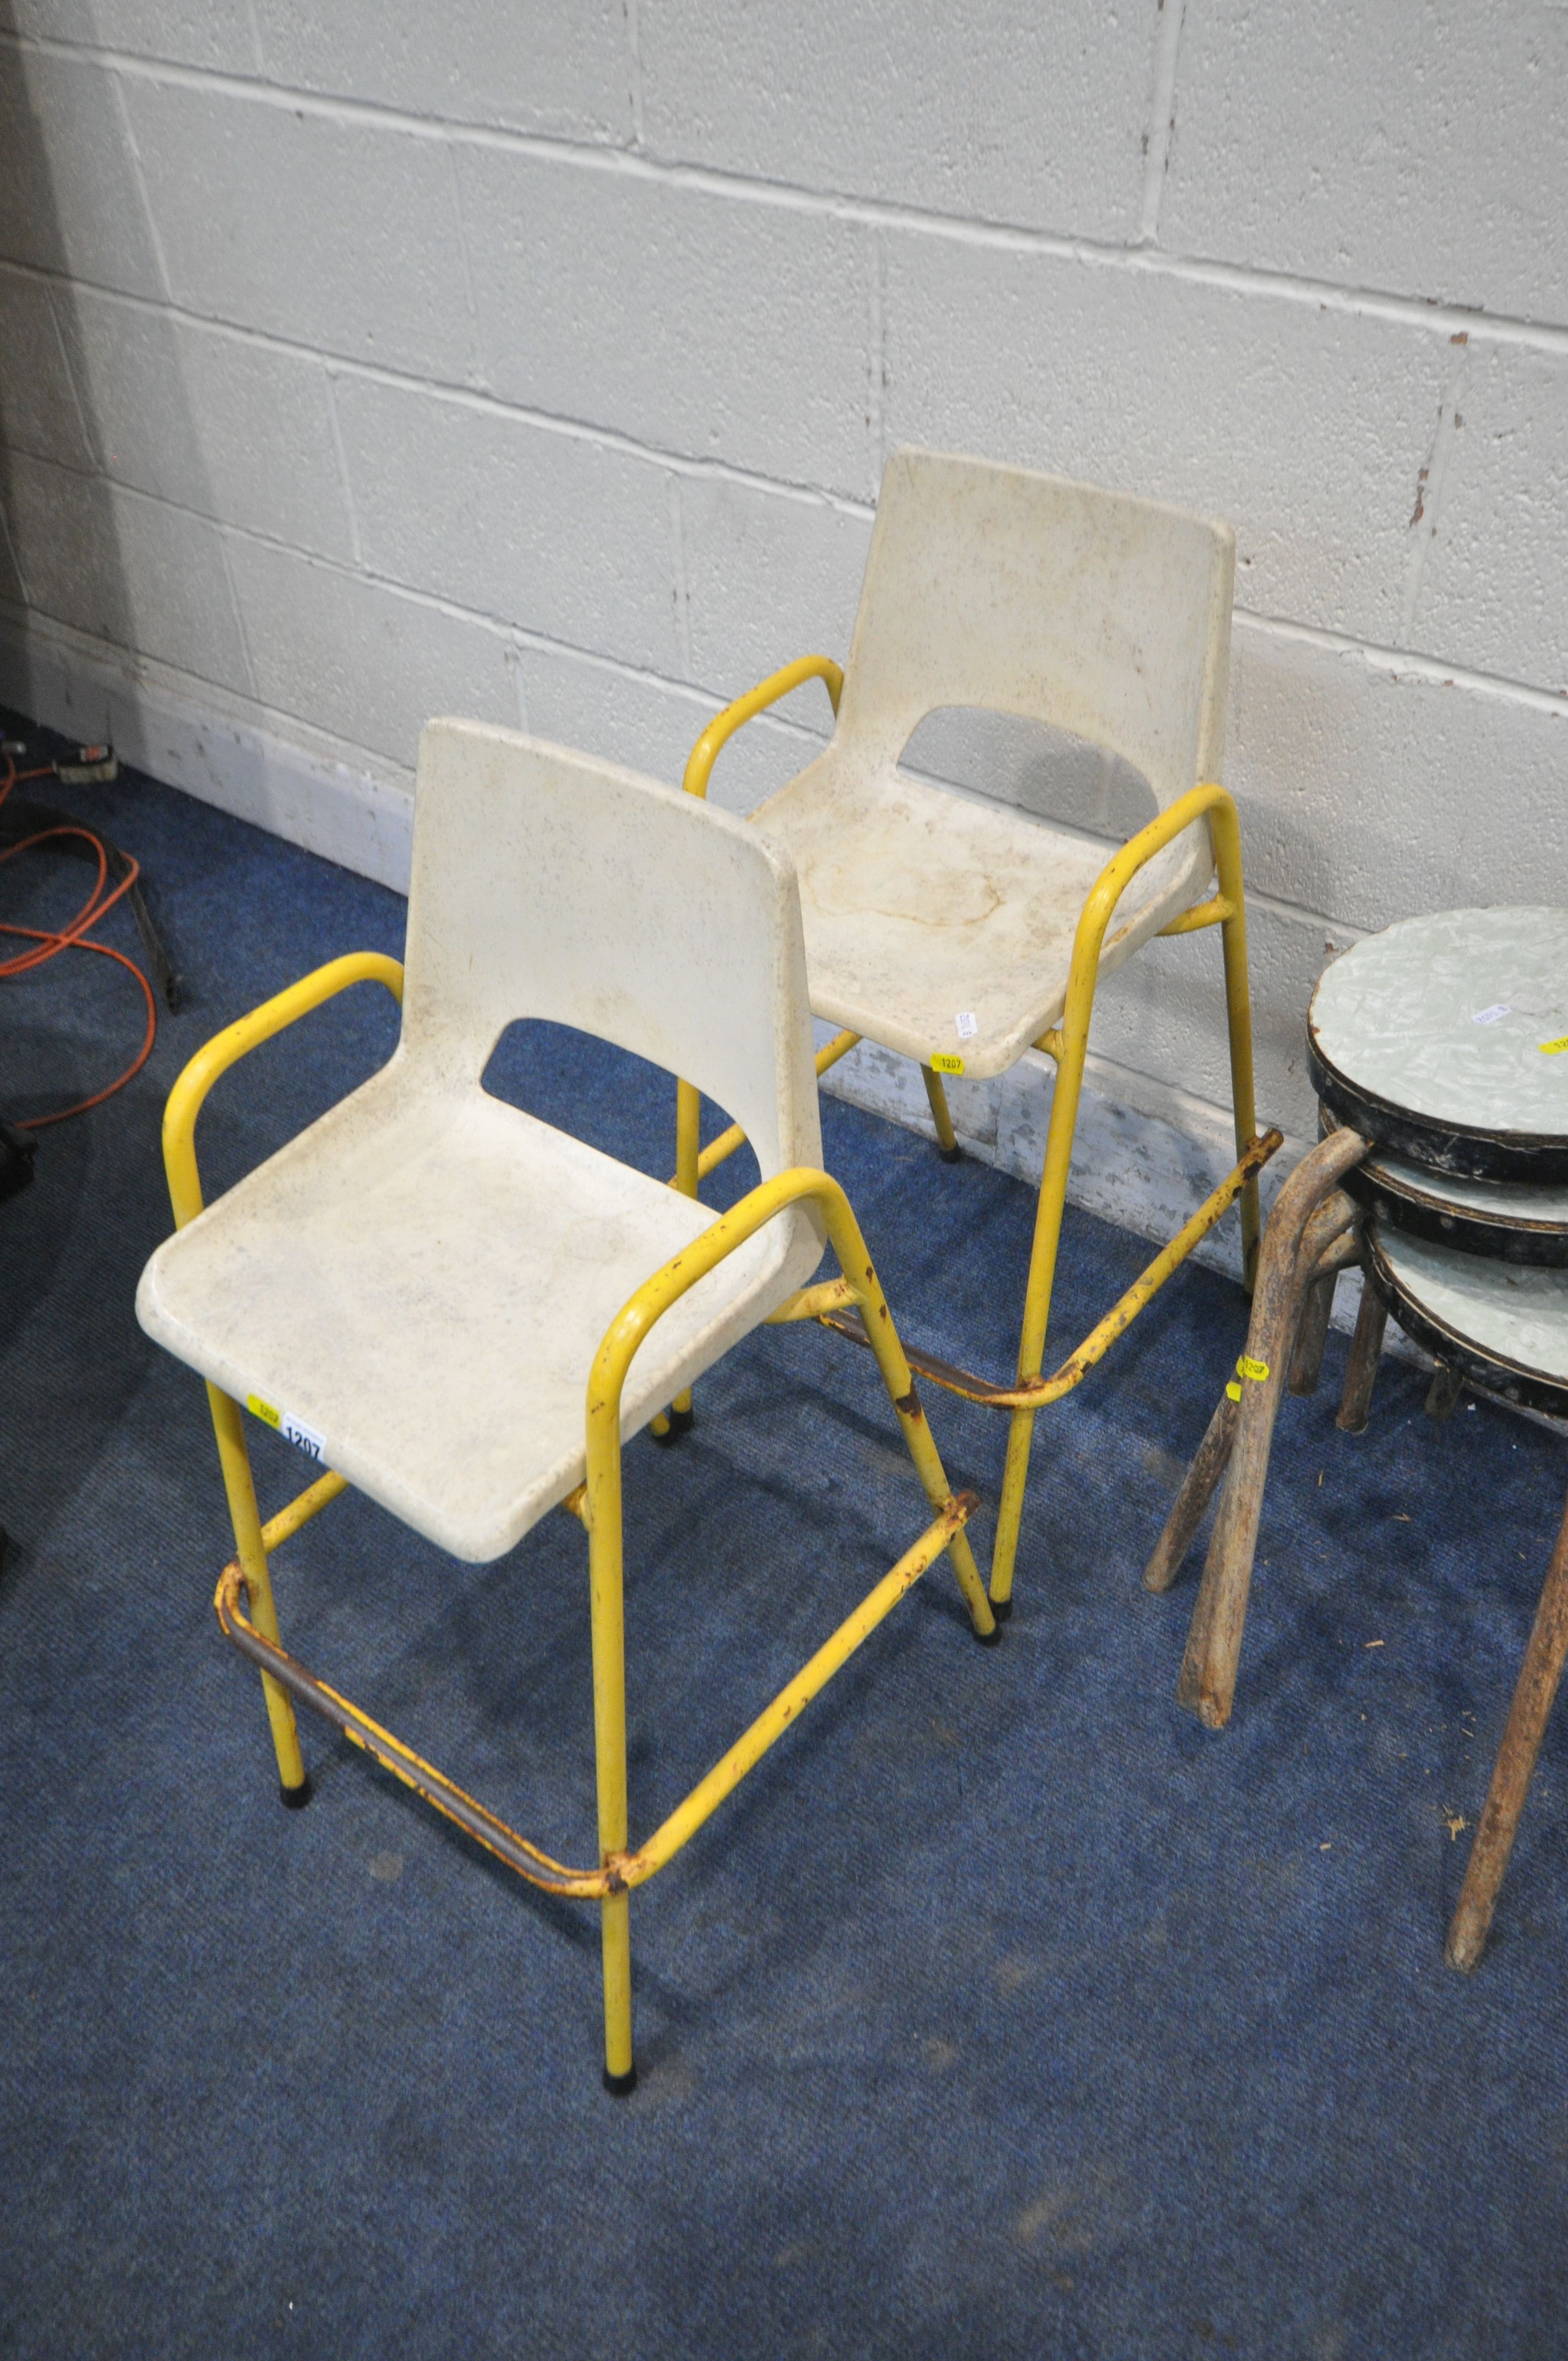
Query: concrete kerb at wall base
point(295, 786)
point(1146, 1154)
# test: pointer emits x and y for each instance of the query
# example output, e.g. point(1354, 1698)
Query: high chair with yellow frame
point(961, 932)
point(465, 1313)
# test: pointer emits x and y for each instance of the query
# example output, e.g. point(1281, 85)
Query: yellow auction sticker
point(1256, 1370)
point(1554, 1048)
point(947, 1062)
point(293, 1430)
point(1233, 1390)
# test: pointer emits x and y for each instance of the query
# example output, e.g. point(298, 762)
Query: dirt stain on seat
point(956, 897)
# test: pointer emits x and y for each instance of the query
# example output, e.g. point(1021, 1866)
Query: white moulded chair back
point(1091, 610)
point(548, 885)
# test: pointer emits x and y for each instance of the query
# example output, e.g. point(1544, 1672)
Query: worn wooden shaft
point(1209, 1464)
point(1325, 1249)
point(1528, 1716)
point(1313, 1334)
point(1290, 1250)
point(1442, 1394)
point(1365, 1351)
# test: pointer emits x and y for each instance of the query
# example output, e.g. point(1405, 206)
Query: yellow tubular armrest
point(226, 1048)
point(655, 1296)
point(723, 726)
point(1207, 801)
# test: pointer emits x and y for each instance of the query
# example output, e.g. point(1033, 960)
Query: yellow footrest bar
point(1035, 1393)
point(623, 1870)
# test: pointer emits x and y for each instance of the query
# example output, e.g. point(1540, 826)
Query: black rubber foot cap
point(1002, 1609)
point(951, 1155)
point(990, 1638)
point(296, 1799)
point(681, 1422)
point(620, 2086)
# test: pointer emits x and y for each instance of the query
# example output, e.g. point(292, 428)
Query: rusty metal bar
point(1035, 1392)
point(1299, 1228)
point(1344, 1253)
point(1323, 1240)
point(452, 1801)
point(1533, 1697)
point(631, 1867)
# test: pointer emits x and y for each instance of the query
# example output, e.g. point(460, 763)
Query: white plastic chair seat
point(423, 1279)
point(920, 904)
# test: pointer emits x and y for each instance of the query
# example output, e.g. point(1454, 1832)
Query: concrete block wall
point(359, 362)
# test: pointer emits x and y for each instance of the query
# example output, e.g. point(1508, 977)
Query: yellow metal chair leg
point(688, 1139)
point(679, 1417)
point(603, 1498)
point(605, 1602)
point(1071, 1045)
point(1224, 834)
point(947, 1138)
point(234, 1460)
point(185, 1101)
point(688, 1104)
point(619, 2068)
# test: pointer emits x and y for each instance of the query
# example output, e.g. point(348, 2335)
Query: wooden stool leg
point(1309, 1213)
point(1528, 1715)
point(1365, 1350)
point(1447, 1385)
point(1307, 1360)
point(1209, 1464)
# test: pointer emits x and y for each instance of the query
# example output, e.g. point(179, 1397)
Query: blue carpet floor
point(1004, 2012)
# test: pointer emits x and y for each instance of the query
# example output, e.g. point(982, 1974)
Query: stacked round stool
point(1439, 1049)
point(1444, 1042)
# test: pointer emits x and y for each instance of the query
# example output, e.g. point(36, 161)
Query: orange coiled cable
point(49, 943)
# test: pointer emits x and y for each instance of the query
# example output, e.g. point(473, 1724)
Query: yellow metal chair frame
point(1068, 1045)
point(597, 1503)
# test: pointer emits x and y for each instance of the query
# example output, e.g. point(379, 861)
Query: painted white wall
point(538, 359)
